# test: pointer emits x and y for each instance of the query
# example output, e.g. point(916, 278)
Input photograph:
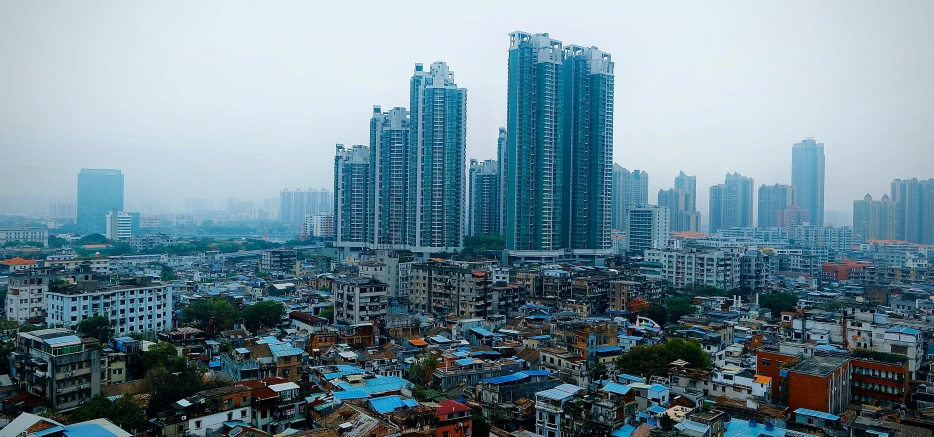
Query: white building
point(649, 227)
point(358, 300)
point(321, 225)
point(831, 237)
point(119, 225)
point(692, 267)
point(145, 305)
point(24, 235)
point(549, 408)
point(25, 297)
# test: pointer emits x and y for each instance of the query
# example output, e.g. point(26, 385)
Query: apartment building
point(24, 235)
point(688, 267)
point(57, 365)
point(445, 287)
point(25, 298)
point(204, 413)
point(359, 300)
point(137, 304)
point(100, 265)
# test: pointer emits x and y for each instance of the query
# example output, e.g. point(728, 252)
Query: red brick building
point(453, 420)
point(820, 383)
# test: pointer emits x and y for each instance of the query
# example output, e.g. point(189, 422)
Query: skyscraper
point(679, 203)
point(875, 219)
point(353, 202)
point(535, 144)
point(437, 154)
point(772, 199)
point(588, 140)
point(100, 190)
point(915, 210)
point(807, 176)
point(502, 155)
point(390, 175)
point(649, 228)
point(731, 203)
point(630, 189)
point(689, 184)
point(483, 217)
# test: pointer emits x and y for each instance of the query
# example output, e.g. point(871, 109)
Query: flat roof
point(820, 365)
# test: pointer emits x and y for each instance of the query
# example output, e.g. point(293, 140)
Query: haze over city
point(198, 100)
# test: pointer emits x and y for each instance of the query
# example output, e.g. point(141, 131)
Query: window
point(197, 424)
point(766, 362)
point(242, 414)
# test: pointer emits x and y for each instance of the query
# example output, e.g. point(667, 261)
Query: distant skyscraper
point(731, 203)
point(772, 199)
point(807, 176)
point(100, 191)
point(389, 161)
point(63, 210)
point(502, 150)
point(286, 200)
point(353, 202)
point(791, 218)
point(483, 217)
point(559, 145)
point(295, 205)
point(689, 184)
point(915, 210)
point(630, 189)
point(875, 219)
point(437, 153)
point(679, 203)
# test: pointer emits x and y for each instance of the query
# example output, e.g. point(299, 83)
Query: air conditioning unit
point(58, 391)
point(184, 417)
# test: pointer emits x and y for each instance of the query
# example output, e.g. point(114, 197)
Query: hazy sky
point(242, 99)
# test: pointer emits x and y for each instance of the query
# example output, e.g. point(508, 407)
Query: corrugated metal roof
point(389, 404)
point(613, 387)
point(818, 414)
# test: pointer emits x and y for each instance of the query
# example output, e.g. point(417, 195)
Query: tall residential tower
point(807, 176)
point(731, 203)
point(483, 217)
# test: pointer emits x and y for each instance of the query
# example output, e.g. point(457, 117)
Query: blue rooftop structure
point(817, 414)
point(630, 378)
point(284, 350)
point(63, 339)
point(464, 362)
point(481, 332)
point(607, 349)
point(540, 337)
point(749, 428)
point(656, 410)
point(351, 394)
point(613, 387)
point(658, 387)
point(380, 384)
point(269, 340)
point(625, 431)
point(440, 339)
point(388, 404)
point(518, 376)
point(242, 350)
point(903, 330)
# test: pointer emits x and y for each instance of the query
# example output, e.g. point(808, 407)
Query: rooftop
point(820, 365)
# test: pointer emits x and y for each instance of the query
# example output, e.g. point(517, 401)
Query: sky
point(241, 99)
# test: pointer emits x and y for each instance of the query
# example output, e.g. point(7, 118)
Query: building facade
point(359, 300)
point(559, 146)
point(915, 210)
point(630, 189)
point(24, 235)
point(353, 205)
point(649, 228)
point(484, 216)
point(438, 138)
point(772, 200)
point(136, 305)
point(731, 203)
point(119, 225)
point(390, 174)
point(875, 219)
point(58, 366)
point(25, 297)
point(681, 204)
point(100, 191)
point(807, 176)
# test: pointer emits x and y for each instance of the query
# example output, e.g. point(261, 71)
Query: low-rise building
point(205, 412)
point(24, 235)
point(25, 298)
point(58, 366)
point(137, 304)
point(358, 300)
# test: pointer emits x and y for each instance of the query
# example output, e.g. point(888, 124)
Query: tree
point(159, 355)
point(654, 360)
point(327, 313)
point(481, 428)
point(476, 246)
point(168, 274)
point(167, 387)
point(267, 313)
point(56, 242)
point(779, 302)
point(92, 239)
point(210, 315)
point(597, 371)
point(98, 327)
point(124, 412)
point(679, 307)
point(658, 313)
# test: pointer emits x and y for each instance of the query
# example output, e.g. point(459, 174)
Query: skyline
point(694, 104)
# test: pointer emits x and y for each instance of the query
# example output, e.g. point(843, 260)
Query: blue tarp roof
point(631, 377)
point(658, 387)
point(517, 376)
point(440, 339)
point(389, 404)
point(625, 431)
point(380, 384)
point(242, 350)
point(464, 362)
point(655, 409)
point(87, 430)
point(540, 337)
point(605, 349)
point(818, 414)
point(284, 350)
